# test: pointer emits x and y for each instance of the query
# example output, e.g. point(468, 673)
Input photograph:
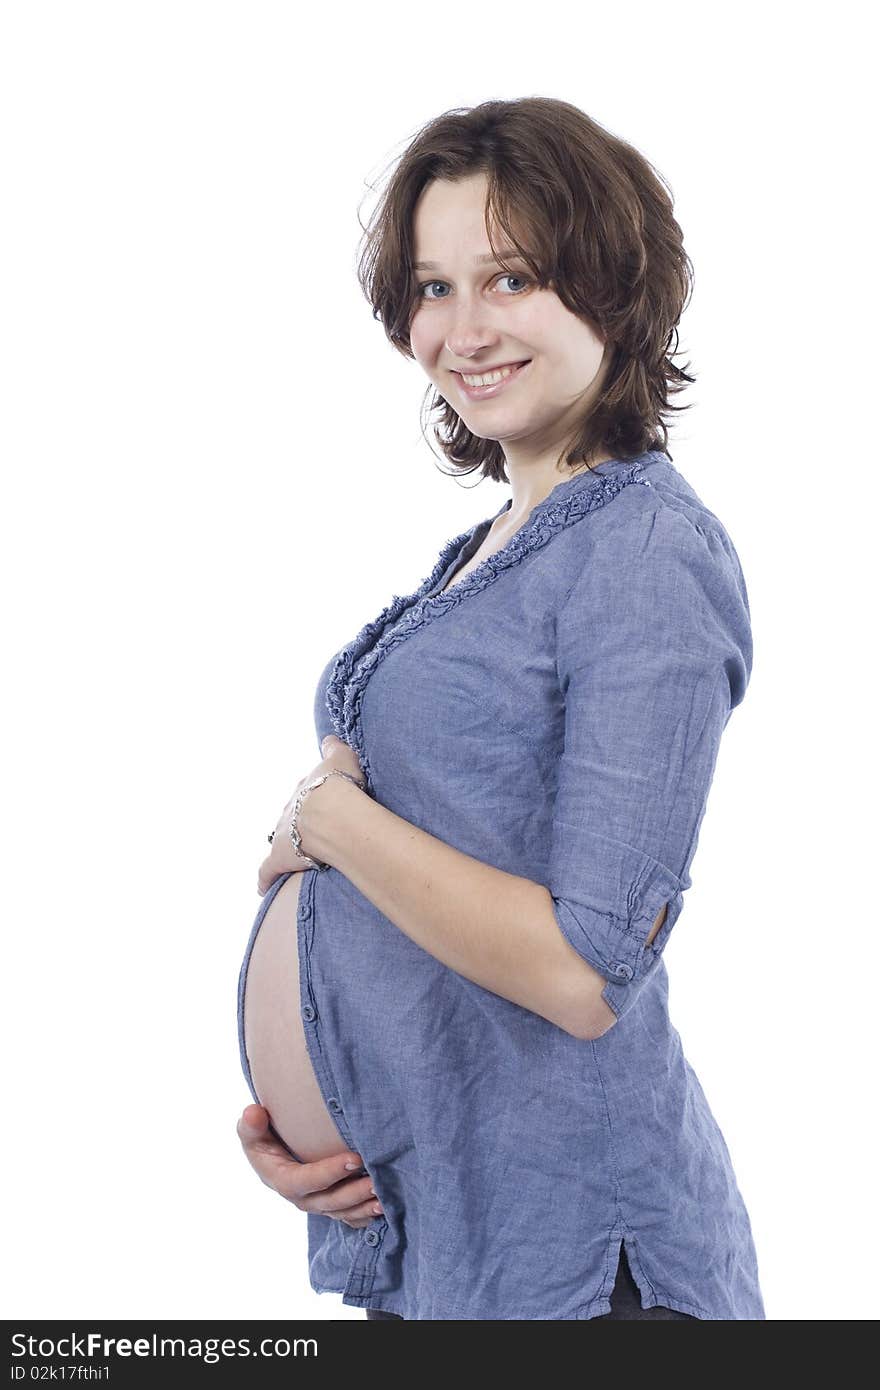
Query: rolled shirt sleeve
point(654, 651)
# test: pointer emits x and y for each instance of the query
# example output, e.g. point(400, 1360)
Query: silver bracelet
point(303, 792)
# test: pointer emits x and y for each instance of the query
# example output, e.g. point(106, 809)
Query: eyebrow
point(509, 253)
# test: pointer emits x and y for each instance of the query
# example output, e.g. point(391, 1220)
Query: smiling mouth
point(498, 383)
point(508, 367)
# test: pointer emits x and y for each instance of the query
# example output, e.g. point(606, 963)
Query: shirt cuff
point(613, 941)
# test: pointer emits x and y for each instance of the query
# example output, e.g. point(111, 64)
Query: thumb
point(343, 754)
point(254, 1121)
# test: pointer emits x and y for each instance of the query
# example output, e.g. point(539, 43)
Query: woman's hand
point(282, 859)
point(325, 1187)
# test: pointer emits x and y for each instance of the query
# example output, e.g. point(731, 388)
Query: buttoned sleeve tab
point(654, 651)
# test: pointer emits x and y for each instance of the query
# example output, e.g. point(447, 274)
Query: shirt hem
point(594, 1309)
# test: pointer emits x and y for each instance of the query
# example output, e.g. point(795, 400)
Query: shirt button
point(372, 1237)
point(623, 972)
point(334, 1105)
point(308, 1013)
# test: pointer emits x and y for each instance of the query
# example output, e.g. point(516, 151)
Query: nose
point(470, 331)
point(470, 341)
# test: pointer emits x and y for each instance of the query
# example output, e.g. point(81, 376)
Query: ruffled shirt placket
point(567, 503)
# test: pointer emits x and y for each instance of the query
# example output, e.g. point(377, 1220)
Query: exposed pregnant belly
point(274, 1038)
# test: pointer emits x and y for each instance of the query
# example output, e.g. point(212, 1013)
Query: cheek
point(538, 331)
point(424, 339)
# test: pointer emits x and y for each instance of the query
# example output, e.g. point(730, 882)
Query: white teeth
point(491, 377)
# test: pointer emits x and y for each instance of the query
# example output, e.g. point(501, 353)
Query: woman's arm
point(653, 651)
point(493, 927)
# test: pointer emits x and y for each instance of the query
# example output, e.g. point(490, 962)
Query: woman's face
point(470, 316)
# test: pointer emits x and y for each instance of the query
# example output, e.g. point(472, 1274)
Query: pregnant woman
point(456, 976)
point(274, 1048)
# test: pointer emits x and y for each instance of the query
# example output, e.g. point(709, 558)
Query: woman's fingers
point(361, 1215)
point(325, 1186)
point(332, 1200)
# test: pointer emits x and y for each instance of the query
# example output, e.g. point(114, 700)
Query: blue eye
point(505, 276)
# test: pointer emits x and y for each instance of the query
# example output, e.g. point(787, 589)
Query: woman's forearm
point(493, 927)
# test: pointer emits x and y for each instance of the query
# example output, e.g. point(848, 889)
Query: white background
point(207, 438)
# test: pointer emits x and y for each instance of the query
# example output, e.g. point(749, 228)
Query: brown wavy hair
point(597, 227)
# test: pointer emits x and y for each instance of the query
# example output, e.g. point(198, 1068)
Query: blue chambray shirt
point(557, 714)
